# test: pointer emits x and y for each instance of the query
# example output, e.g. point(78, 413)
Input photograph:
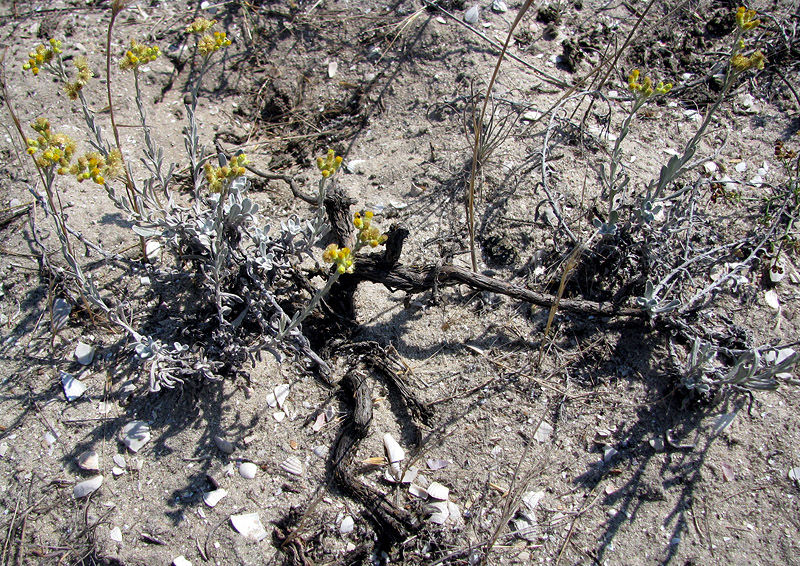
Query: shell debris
point(135, 435)
point(394, 452)
point(249, 525)
point(89, 460)
point(211, 498)
point(293, 466)
point(248, 470)
point(87, 487)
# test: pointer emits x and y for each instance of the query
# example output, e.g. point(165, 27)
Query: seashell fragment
point(418, 491)
point(293, 466)
point(89, 460)
point(544, 432)
point(394, 452)
point(320, 451)
point(436, 463)
point(134, 435)
point(248, 470)
point(117, 471)
point(115, 534)
point(84, 353)
point(347, 525)
point(281, 394)
point(439, 512)
point(73, 388)
point(119, 460)
point(249, 525)
point(223, 445)
point(472, 15)
point(213, 497)
point(181, 561)
point(438, 491)
point(87, 487)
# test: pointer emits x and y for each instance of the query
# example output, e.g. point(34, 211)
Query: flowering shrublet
point(55, 148)
point(98, 168)
point(84, 74)
point(341, 257)
point(746, 19)
point(137, 55)
point(208, 44)
point(329, 164)
point(645, 88)
point(42, 55)
point(367, 234)
point(217, 176)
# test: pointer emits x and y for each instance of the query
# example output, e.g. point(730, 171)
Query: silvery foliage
point(652, 304)
point(752, 370)
point(240, 259)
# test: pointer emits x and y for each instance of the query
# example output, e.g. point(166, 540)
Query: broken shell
point(455, 512)
point(320, 451)
point(248, 470)
point(347, 525)
point(472, 15)
point(543, 433)
point(318, 423)
point(117, 471)
point(293, 466)
point(438, 491)
point(87, 487)
point(410, 475)
point(777, 271)
point(213, 497)
point(84, 353)
point(279, 416)
point(181, 561)
point(278, 396)
point(89, 460)
point(418, 491)
point(439, 512)
point(394, 452)
point(608, 453)
point(223, 445)
point(119, 460)
point(436, 463)
point(134, 435)
point(249, 525)
point(73, 388)
point(115, 534)
point(532, 498)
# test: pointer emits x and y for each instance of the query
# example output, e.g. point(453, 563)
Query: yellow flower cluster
point(329, 164)
point(746, 19)
point(341, 257)
point(84, 74)
point(97, 168)
point(42, 55)
point(368, 235)
point(138, 54)
point(56, 149)
point(200, 25)
point(217, 176)
point(209, 44)
point(645, 88)
point(741, 63)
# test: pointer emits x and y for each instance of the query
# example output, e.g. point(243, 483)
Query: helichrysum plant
point(243, 266)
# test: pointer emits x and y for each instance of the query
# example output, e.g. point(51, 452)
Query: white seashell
point(455, 512)
point(499, 6)
point(248, 470)
point(771, 298)
point(249, 525)
point(439, 512)
point(84, 353)
point(281, 394)
point(418, 491)
point(87, 487)
point(347, 525)
point(115, 534)
point(532, 498)
point(61, 312)
point(394, 452)
point(531, 115)
point(777, 271)
point(3, 449)
point(320, 451)
point(436, 463)
point(438, 491)
point(89, 460)
point(134, 435)
point(279, 416)
point(73, 388)
point(741, 167)
point(608, 453)
point(293, 466)
point(526, 527)
point(119, 460)
point(410, 475)
point(153, 249)
point(117, 471)
point(472, 15)
point(333, 66)
point(213, 497)
point(709, 167)
point(393, 473)
point(181, 561)
point(223, 445)
point(543, 433)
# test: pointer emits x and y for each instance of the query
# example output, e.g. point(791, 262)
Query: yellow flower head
point(84, 74)
point(218, 176)
point(329, 164)
point(208, 44)
point(746, 19)
point(97, 168)
point(200, 25)
point(341, 257)
point(645, 88)
point(56, 148)
point(137, 55)
point(41, 56)
point(367, 234)
point(741, 63)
